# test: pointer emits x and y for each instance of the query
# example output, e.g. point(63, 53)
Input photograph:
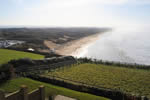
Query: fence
point(25, 68)
point(22, 94)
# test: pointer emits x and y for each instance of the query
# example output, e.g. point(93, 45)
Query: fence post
point(24, 92)
point(2, 95)
point(42, 92)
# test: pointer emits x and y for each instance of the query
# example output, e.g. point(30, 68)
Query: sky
point(68, 13)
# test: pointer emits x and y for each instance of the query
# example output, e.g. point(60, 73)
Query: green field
point(7, 55)
point(13, 85)
point(134, 81)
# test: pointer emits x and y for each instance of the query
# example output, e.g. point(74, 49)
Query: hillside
point(128, 80)
point(35, 37)
point(7, 55)
point(13, 85)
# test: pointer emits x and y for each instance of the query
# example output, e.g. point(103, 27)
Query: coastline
point(75, 47)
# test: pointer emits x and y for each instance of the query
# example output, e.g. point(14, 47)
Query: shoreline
point(75, 47)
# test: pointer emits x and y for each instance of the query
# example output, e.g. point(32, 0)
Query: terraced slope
point(134, 81)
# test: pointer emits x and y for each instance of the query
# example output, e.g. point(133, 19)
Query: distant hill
point(34, 37)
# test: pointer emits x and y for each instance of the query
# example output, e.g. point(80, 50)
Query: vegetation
point(118, 64)
point(34, 37)
point(128, 80)
point(13, 85)
point(7, 55)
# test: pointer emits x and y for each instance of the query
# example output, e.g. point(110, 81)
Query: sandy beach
point(73, 47)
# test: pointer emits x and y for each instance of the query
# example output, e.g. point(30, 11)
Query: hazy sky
point(75, 12)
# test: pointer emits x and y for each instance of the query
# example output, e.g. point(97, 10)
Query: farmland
point(14, 85)
point(7, 55)
point(128, 80)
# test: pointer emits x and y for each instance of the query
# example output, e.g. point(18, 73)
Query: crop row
point(134, 81)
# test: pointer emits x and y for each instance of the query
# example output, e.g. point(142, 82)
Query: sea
point(120, 45)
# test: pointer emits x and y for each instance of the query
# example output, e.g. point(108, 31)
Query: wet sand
point(73, 47)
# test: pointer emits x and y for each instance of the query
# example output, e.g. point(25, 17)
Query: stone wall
point(38, 94)
point(23, 94)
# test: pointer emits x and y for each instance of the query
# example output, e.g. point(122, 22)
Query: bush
point(5, 72)
point(119, 64)
point(20, 62)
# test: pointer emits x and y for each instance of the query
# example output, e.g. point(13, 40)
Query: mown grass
point(14, 85)
point(134, 81)
point(7, 55)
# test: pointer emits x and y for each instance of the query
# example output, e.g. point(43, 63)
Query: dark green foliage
point(24, 61)
point(118, 64)
point(4, 72)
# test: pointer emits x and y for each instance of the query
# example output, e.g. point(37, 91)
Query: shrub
point(4, 72)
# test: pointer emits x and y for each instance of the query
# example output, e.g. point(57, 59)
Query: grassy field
point(7, 55)
point(128, 80)
point(13, 85)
